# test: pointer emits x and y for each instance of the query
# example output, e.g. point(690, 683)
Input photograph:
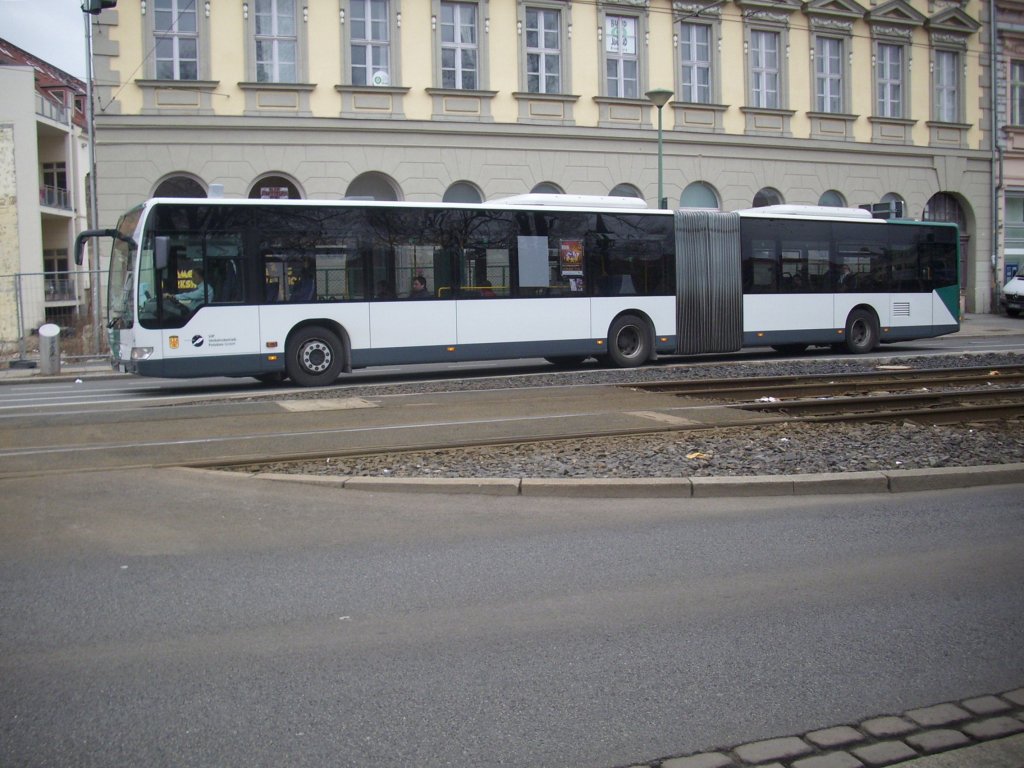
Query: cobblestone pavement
point(949, 727)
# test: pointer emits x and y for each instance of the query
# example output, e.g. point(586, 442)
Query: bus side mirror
point(86, 235)
point(162, 250)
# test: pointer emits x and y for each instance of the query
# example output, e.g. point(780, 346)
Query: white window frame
point(692, 64)
point(538, 56)
point(946, 86)
point(278, 41)
point(890, 85)
point(179, 10)
point(829, 74)
point(1016, 82)
point(459, 78)
point(374, 45)
point(621, 51)
point(765, 75)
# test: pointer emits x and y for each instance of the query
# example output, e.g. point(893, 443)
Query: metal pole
point(661, 165)
point(94, 201)
point(21, 317)
point(659, 97)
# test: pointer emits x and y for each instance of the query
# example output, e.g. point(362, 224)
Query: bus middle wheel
point(862, 334)
point(314, 357)
point(629, 342)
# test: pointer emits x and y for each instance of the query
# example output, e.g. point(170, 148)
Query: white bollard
point(49, 349)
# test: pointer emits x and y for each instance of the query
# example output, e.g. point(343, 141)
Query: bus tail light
point(142, 353)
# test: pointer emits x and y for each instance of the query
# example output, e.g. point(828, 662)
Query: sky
point(53, 30)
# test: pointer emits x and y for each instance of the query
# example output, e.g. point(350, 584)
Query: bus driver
point(198, 296)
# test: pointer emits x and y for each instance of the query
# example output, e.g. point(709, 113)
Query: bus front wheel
point(862, 333)
point(314, 357)
point(629, 342)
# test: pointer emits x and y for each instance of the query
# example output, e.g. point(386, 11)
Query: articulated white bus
point(307, 290)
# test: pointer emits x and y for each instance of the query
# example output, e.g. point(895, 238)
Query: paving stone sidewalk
point(879, 741)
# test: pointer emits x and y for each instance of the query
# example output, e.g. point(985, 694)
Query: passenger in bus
point(419, 288)
point(198, 296)
point(384, 291)
point(305, 288)
point(487, 290)
point(846, 279)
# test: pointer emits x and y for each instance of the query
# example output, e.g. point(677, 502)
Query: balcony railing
point(55, 197)
point(60, 287)
point(48, 109)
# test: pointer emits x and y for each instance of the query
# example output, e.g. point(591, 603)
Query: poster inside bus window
point(571, 258)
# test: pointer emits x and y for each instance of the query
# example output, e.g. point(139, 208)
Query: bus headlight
point(142, 353)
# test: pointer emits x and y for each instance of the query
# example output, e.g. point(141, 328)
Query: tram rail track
point(923, 396)
point(836, 384)
point(277, 429)
point(884, 397)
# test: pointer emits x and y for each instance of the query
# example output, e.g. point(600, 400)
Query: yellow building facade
point(822, 102)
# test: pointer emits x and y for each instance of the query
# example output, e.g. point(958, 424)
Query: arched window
point(462, 192)
point(699, 195)
point(274, 188)
point(897, 202)
point(625, 190)
point(373, 186)
point(767, 196)
point(179, 186)
point(832, 199)
point(547, 188)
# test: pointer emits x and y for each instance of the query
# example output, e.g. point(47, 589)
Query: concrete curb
point(895, 481)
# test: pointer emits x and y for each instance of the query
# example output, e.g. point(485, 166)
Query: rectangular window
point(764, 69)
point(947, 86)
point(276, 41)
point(1017, 93)
point(695, 56)
point(459, 49)
point(621, 58)
point(55, 186)
point(55, 175)
point(371, 46)
point(543, 51)
point(1014, 220)
point(889, 79)
point(176, 39)
point(828, 74)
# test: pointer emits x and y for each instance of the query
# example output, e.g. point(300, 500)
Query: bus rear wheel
point(629, 342)
point(862, 333)
point(314, 357)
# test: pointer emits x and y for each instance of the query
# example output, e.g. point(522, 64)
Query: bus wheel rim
point(628, 342)
point(859, 332)
point(316, 356)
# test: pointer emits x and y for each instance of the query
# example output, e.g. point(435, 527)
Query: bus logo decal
point(173, 342)
point(197, 341)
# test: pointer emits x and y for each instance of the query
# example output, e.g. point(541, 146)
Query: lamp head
point(659, 97)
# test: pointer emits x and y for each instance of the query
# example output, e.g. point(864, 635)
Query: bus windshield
point(120, 305)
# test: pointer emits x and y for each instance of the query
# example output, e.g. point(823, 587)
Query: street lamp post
point(659, 97)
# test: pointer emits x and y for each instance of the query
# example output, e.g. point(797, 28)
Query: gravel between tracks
point(725, 452)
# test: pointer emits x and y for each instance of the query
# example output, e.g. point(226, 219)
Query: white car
point(1013, 295)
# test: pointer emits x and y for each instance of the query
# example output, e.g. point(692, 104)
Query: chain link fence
point(69, 300)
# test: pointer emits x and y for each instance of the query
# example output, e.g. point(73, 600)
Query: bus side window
point(273, 277)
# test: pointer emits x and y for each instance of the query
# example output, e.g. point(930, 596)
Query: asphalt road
point(179, 617)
